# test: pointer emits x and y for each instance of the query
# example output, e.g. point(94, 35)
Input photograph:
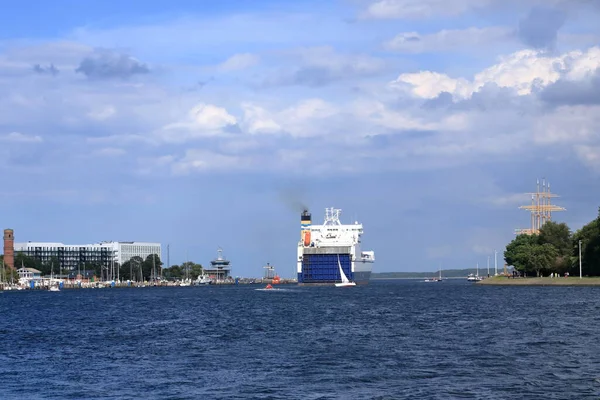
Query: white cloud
point(449, 40)
point(239, 61)
point(208, 116)
point(522, 71)
point(303, 119)
point(202, 120)
point(17, 137)
point(258, 120)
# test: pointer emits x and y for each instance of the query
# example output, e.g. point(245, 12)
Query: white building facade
point(124, 251)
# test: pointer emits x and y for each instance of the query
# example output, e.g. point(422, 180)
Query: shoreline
point(545, 281)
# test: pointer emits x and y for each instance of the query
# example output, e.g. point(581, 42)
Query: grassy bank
point(571, 281)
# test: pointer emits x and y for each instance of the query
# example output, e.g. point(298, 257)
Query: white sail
point(345, 281)
point(344, 277)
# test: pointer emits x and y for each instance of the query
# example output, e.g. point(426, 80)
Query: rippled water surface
point(387, 340)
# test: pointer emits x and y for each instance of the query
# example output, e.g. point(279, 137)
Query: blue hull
point(323, 269)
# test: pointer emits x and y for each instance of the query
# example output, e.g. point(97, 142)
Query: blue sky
point(205, 124)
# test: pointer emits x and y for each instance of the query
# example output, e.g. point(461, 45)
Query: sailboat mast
point(154, 267)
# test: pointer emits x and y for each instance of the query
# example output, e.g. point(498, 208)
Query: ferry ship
point(322, 249)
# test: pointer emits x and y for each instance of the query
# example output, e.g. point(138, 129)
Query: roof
point(35, 271)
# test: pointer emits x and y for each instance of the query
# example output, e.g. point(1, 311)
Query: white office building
point(124, 251)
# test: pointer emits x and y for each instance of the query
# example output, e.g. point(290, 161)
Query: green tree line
point(556, 249)
point(185, 270)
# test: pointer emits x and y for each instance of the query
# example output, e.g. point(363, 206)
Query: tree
point(590, 248)
point(130, 270)
point(517, 252)
point(559, 236)
point(174, 272)
point(195, 271)
point(542, 257)
point(150, 266)
point(27, 262)
point(528, 254)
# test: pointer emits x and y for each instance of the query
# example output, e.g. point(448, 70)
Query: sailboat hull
point(347, 284)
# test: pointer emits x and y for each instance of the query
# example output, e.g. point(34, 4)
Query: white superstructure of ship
point(321, 246)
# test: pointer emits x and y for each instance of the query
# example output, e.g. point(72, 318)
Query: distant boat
point(345, 281)
point(474, 278)
point(203, 280)
point(434, 279)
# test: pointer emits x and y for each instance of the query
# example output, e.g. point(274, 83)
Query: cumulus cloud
point(523, 72)
point(109, 65)
point(573, 91)
point(258, 120)
point(203, 120)
point(307, 118)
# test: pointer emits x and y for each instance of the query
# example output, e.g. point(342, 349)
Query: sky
point(203, 124)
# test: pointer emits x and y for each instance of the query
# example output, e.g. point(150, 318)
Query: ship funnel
point(305, 222)
point(305, 218)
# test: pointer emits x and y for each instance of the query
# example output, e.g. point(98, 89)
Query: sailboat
point(434, 279)
point(345, 281)
point(52, 287)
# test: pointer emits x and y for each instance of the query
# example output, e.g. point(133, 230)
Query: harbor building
point(220, 268)
point(72, 257)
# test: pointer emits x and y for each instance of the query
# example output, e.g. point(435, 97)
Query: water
point(387, 340)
